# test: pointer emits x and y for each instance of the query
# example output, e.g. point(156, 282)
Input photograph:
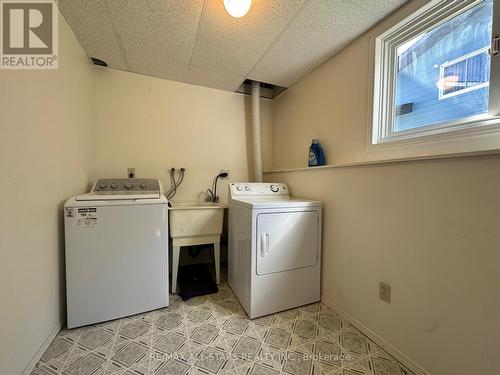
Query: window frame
point(382, 107)
point(446, 64)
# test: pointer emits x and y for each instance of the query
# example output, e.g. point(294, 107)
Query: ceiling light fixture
point(237, 8)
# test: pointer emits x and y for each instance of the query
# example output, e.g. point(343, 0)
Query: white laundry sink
point(193, 223)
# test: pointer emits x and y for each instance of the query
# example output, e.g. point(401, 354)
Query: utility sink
point(195, 223)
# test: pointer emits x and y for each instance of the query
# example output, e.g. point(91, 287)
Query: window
point(465, 74)
point(434, 73)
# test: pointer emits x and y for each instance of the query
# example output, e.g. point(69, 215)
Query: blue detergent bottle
point(316, 156)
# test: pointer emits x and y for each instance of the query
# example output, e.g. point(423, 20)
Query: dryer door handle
point(264, 244)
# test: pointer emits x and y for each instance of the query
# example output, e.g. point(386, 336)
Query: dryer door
point(286, 241)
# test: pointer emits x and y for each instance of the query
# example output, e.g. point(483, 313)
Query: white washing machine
point(116, 251)
point(274, 257)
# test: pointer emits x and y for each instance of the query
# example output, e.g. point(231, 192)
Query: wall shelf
point(387, 161)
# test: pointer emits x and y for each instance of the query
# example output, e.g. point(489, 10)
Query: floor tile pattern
point(212, 335)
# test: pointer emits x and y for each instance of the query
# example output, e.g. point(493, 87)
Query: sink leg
point(217, 261)
point(175, 266)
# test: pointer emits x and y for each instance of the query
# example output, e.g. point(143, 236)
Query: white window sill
point(480, 125)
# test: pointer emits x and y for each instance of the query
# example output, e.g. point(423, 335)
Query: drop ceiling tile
point(380, 7)
point(90, 22)
point(196, 41)
point(321, 29)
point(233, 45)
point(215, 80)
point(163, 31)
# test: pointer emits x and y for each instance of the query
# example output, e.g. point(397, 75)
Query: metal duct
point(256, 131)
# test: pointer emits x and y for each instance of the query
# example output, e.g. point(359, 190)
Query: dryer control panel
point(257, 189)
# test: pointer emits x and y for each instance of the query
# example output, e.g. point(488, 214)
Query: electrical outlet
point(131, 172)
point(384, 292)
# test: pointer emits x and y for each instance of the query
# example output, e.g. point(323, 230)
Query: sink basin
point(195, 223)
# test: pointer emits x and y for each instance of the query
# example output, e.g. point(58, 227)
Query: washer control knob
point(128, 185)
point(247, 188)
point(143, 186)
point(112, 186)
point(103, 186)
point(239, 188)
point(274, 188)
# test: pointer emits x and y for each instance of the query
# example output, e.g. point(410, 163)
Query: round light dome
point(237, 8)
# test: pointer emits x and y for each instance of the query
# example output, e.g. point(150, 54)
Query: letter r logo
point(27, 27)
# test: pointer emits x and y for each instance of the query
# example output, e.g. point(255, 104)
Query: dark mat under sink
point(195, 280)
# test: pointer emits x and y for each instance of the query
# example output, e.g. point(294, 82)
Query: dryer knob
point(102, 186)
point(112, 186)
point(128, 185)
point(274, 188)
point(239, 188)
point(247, 188)
point(143, 186)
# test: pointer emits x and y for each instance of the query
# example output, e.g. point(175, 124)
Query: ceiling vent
point(98, 62)
point(267, 90)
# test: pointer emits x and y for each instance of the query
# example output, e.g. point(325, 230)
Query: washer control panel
point(126, 186)
point(257, 188)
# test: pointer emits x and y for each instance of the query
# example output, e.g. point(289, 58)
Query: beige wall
point(329, 104)
point(59, 131)
point(45, 157)
point(334, 103)
point(429, 228)
point(153, 124)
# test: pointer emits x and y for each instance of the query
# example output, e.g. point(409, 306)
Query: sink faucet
point(213, 191)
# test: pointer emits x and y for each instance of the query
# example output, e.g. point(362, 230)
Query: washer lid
point(110, 197)
point(81, 201)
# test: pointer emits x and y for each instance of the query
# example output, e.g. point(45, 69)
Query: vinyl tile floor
point(213, 335)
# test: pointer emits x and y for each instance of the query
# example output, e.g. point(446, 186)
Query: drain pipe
point(257, 138)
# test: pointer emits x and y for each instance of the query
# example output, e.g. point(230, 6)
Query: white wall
point(46, 149)
point(153, 124)
point(429, 228)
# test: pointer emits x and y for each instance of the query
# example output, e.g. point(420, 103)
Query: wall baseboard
point(31, 365)
point(402, 358)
